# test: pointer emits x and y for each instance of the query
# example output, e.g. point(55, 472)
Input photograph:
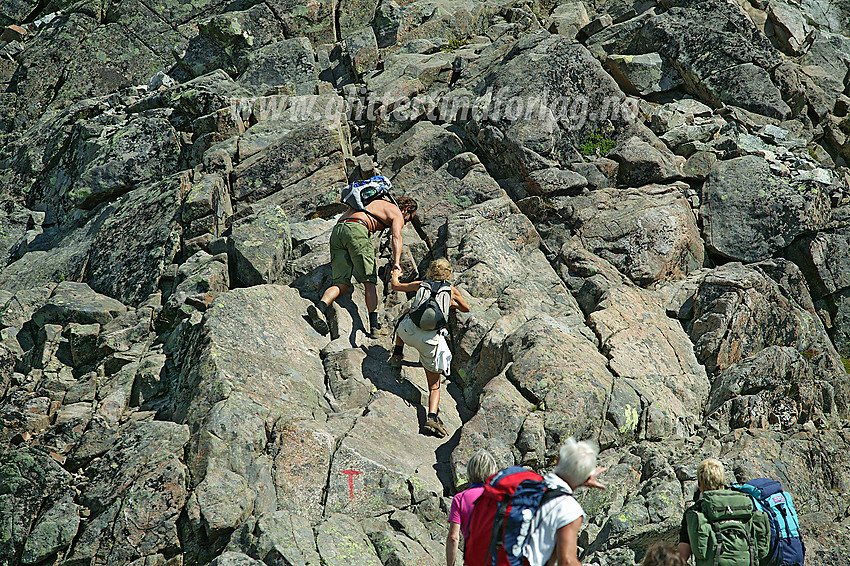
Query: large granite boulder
point(138, 241)
point(559, 83)
point(642, 164)
point(659, 388)
point(739, 311)
point(288, 62)
point(228, 41)
point(76, 302)
point(650, 234)
point(250, 342)
point(418, 152)
point(295, 160)
point(303, 18)
point(719, 53)
point(429, 164)
point(396, 23)
point(749, 212)
point(824, 260)
point(107, 157)
point(40, 517)
point(260, 246)
point(776, 387)
point(41, 65)
point(138, 489)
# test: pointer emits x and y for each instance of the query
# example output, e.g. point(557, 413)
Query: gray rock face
point(749, 212)
point(153, 156)
point(281, 535)
point(643, 74)
point(108, 157)
point(260, 246)
point(341, 541)
point(295, 159)
point(290, 61)
point(136, 243)
point(642, 164)
point(568, 18)
point(304, 19)
point(33, 482)
point(199, 280)
point(235, 559)
point(536, 69)
point(718, 52)
point(142, 500)
point(649, 234)
point(739, 311)
point(76, 302)
point(824, 260)
point(221, 396)
point(776, 386)
point(363, 50)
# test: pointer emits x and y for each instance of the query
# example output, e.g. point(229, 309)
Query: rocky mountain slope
point(647, 204)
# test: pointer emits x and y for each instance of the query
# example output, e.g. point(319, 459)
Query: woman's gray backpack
point(430, 307)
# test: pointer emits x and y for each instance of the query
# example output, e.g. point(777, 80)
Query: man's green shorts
point(352, 250)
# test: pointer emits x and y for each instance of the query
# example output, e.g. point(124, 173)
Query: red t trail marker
point(351, 474)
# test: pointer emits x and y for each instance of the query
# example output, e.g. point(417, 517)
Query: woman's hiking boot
point(317, 319)
point(434, 425)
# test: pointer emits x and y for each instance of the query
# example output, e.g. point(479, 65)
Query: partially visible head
point(408, 207)
point(662, 554)
point(577, 461)
point(481, 466)
point(439, 270)
point(710, 474)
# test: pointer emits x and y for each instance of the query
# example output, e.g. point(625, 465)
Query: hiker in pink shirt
point(481, 466)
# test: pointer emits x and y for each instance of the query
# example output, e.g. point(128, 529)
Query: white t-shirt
point(549, 518)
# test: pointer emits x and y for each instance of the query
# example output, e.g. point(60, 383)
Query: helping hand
point(592, 481)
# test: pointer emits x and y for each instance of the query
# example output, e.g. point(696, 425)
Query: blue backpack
point(786, 545)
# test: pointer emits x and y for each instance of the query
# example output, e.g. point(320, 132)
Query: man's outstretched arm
point(397, 225)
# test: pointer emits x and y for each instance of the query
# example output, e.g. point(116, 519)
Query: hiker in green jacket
point(352, 251)
point(722, 528)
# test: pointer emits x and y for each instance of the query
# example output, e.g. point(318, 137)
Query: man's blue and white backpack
point(360, 193)
point(786, 544)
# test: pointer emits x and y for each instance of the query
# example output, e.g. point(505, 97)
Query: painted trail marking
point(351, 474)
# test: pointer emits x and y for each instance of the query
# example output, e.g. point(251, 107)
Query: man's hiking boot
point(376, 331)
point(395, 361)
point(317, 319)
point(434, 425)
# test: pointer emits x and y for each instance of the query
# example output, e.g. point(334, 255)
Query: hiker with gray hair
point(555, 526)
point(481, 466)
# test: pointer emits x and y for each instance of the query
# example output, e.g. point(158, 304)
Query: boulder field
point(646, 204)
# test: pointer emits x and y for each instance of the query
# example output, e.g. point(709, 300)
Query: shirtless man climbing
point(352, 251)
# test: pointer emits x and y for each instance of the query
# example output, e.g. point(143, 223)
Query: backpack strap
point(750, 546)
point(498, 534)
point(378, 220)
point(551, 494)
